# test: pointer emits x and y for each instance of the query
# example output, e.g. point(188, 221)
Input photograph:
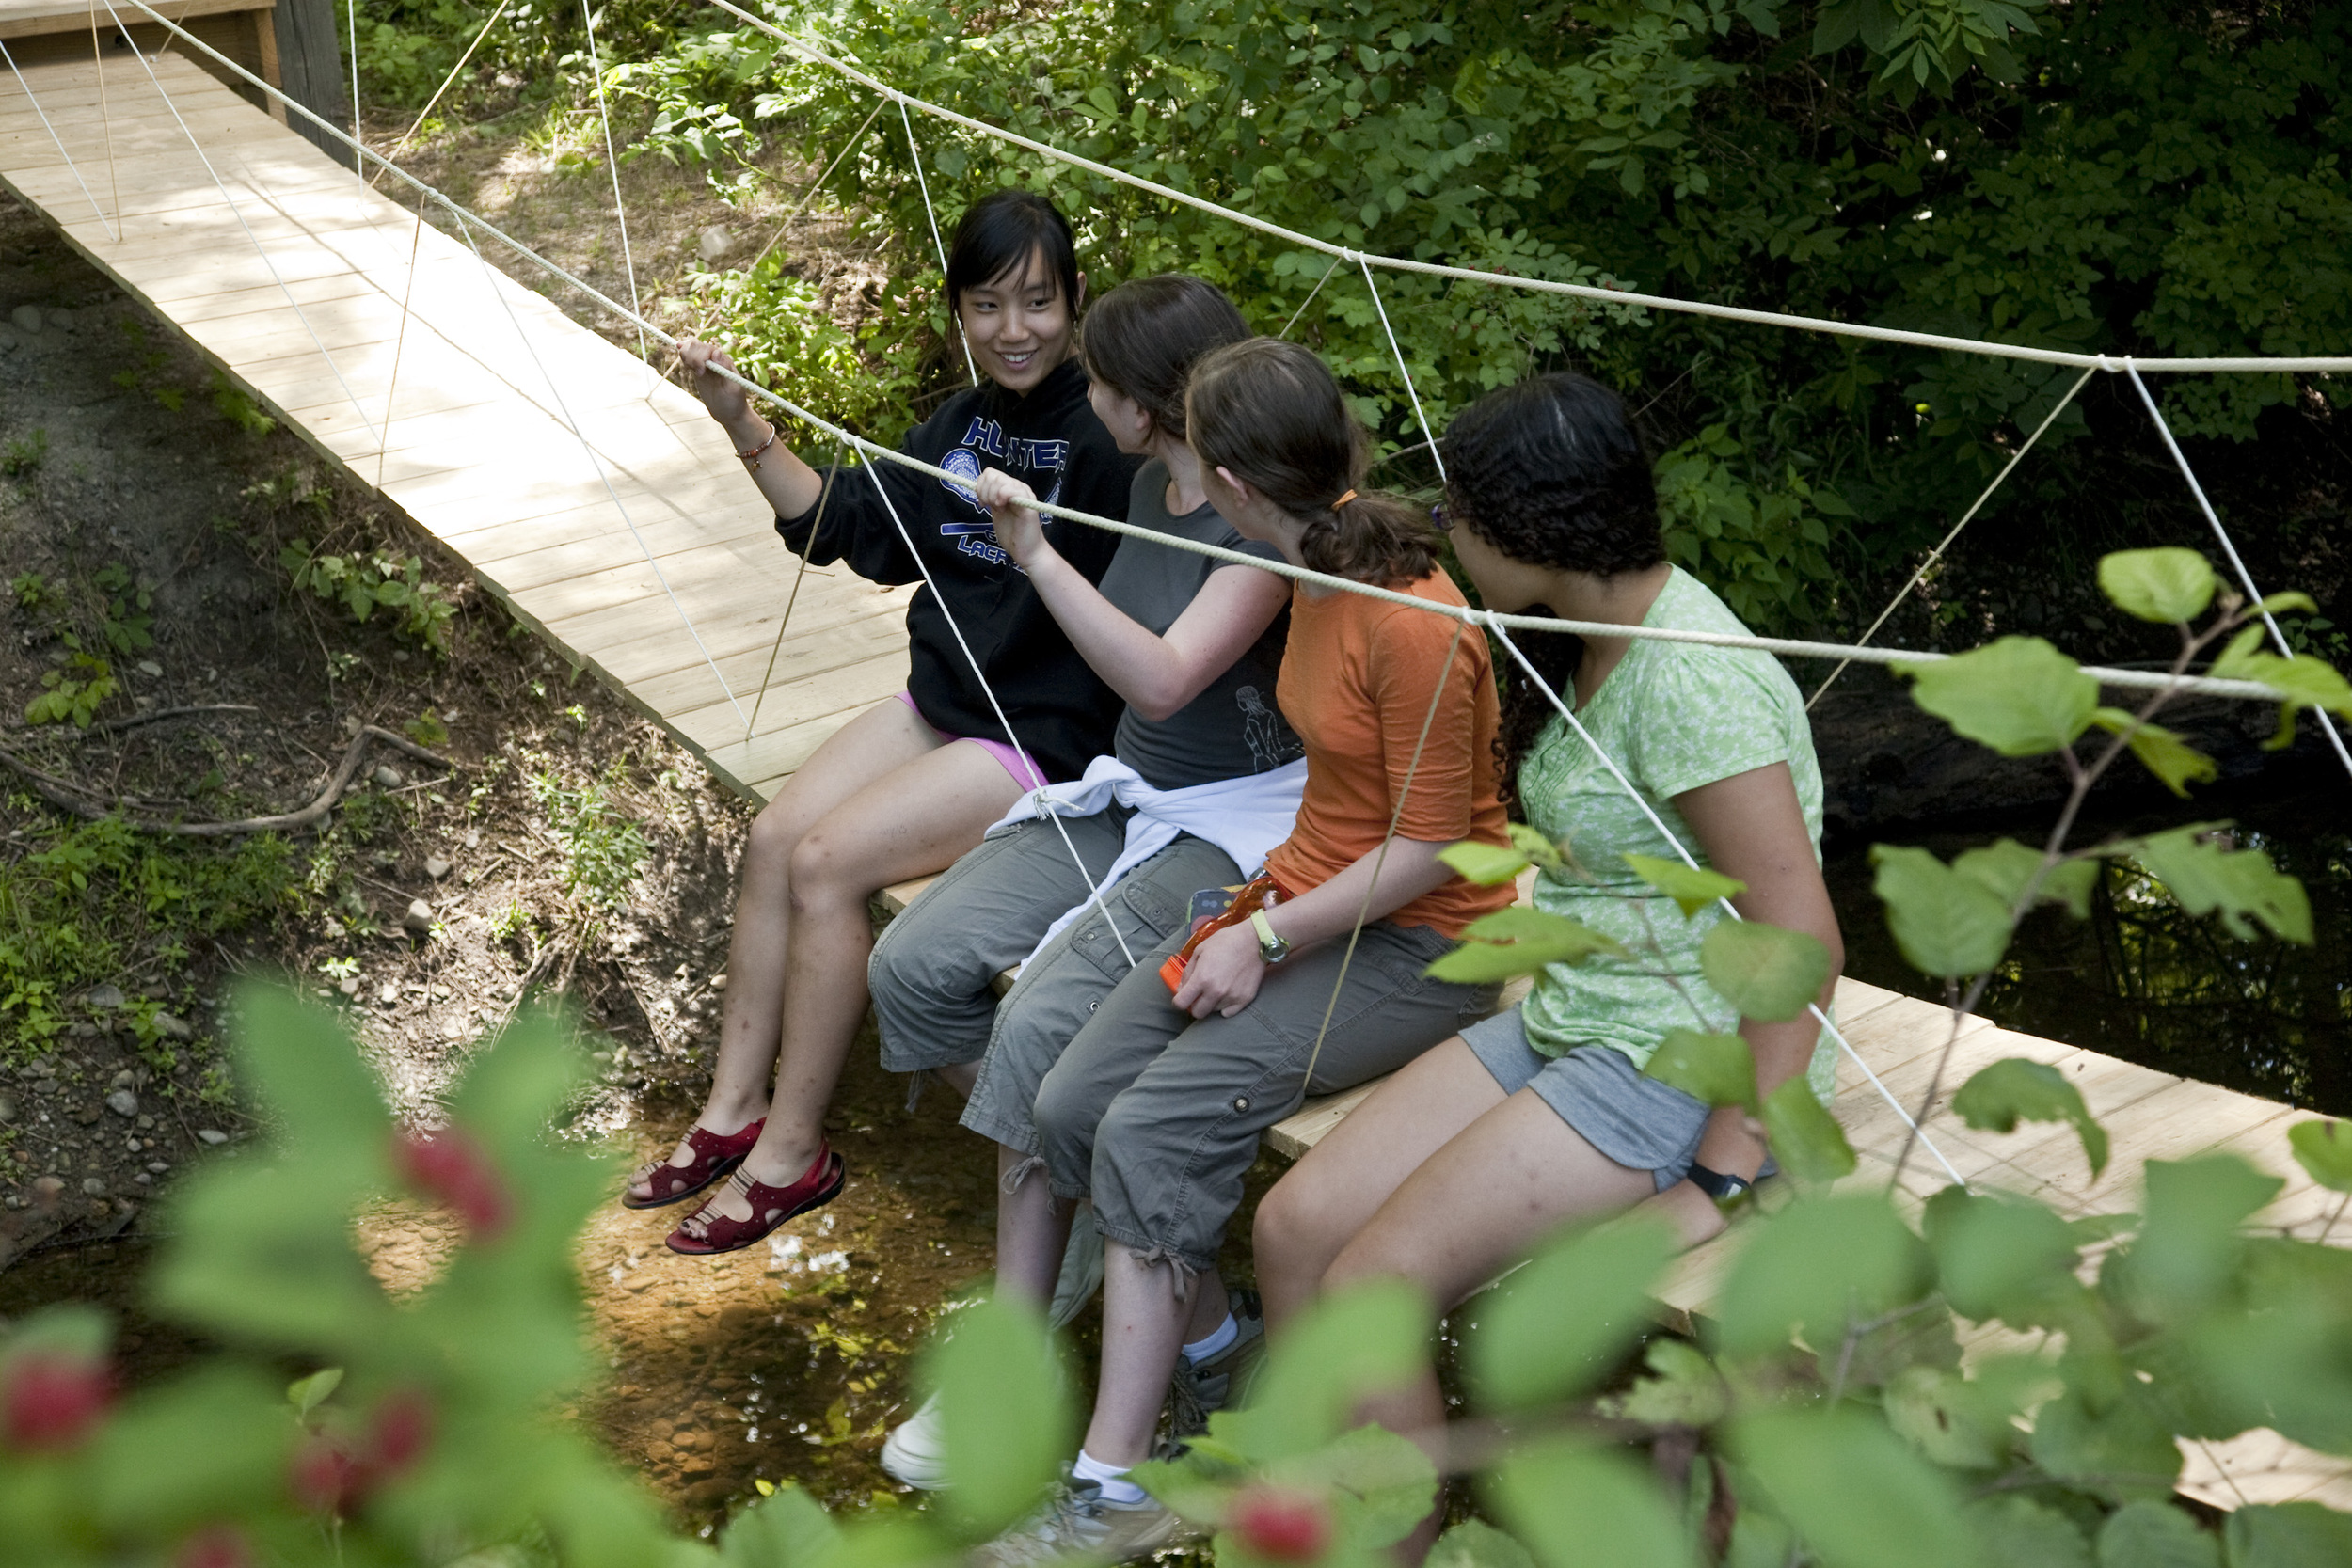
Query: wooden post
point(311, 54)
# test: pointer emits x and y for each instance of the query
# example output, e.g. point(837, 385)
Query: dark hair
point(1551, 472)
point(998, 235)
point(1143, 338)
point(1269, 411)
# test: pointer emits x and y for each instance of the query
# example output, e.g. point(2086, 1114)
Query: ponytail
point(1270, 412)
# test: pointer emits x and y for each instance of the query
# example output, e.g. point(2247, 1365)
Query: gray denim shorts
point(1633, 1119)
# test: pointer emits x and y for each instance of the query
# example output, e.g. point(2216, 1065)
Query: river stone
point(123, 1102)
point(104, 996)
point(93, 1187)
point(387, 775)
point(26, 319)
point(211, 1135)
point(419, 918)
point(178, 1028)
point(714, 244)
point(436, 867)
point(8, 1108)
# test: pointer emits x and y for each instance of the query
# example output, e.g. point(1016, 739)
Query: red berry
point(1281, 1527)
point(451, 1168)
point(52, 1400)
point(213, 1546)
point(327, 1477)
point(403, 1430)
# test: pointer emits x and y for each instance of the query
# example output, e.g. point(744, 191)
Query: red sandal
point(703, 1232)
point(715, 1154)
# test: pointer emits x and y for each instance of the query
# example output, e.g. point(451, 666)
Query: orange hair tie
point(1342, 500)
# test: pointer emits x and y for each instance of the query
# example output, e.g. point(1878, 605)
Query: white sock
point(1118, 1490)
point(1224, 1335)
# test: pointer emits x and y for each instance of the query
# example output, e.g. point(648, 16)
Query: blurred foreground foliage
point(1890, 1376)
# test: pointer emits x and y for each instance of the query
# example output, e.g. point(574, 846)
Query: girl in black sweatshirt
point(906, 787)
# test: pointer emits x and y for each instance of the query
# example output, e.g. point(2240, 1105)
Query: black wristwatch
point(1725, 1190)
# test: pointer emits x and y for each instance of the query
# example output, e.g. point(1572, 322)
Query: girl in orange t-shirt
point(1155, 1108)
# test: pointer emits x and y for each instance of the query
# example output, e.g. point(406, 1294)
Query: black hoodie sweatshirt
point(1062, 712)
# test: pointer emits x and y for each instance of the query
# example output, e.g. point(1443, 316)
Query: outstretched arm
point(1752, 827)
point(1157, 674)
point(790, 485)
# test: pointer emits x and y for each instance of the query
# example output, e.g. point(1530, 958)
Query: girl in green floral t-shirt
point(1541, 1116)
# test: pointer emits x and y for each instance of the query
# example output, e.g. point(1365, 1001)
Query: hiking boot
point(1074, 1523)
point(1223, 1380)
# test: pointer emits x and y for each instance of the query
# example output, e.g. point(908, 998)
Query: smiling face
point(1018, 324)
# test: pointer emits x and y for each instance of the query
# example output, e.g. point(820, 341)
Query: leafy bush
point(366, 582)
point(24, 453)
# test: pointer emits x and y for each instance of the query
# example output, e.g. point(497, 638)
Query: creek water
point(2143, 980)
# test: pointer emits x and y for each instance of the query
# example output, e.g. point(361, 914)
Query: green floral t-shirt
point(1673, 716)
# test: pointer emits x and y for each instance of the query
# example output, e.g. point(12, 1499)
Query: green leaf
point(2005, 866)
point(1684, 1390)
point(1857, 1498)
point(2121, 1451)
point(208, 1445)
point(1942, 1414)
point(1554, 1327)
point(2169, 584)
point(2285, 603)
point(2190, 1243)
point(2301, 681)
point(2207, 878)
point(2020, 1532)
point(2146, 1534)
point(1363, 1339)
point(1535, 846)
point(1769, 972)
point(1691, 887)
point(1485, 863)
point(1520, 940)
point(1816, 1267)
point(1715, 1069)
point(1579, 1505)
point(1003, 1417)
point(2324, 1150)
point(2002, 1256)
point(1947, 925)
point(1805, 1137)
point(307, 1394)
point(2015, 1089)
point(2019, 695)
point(1476, 1543)
point(787, 1528)
point(2160, 751)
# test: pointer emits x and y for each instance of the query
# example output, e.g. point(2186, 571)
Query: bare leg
point(1148, 1312)
point(1326, 1198)
point(1032, 1231)
point(917, 820)
point(878, 742)
point(1491, 1193)
point(959, 1076)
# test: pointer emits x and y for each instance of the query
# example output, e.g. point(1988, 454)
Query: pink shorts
point(1023, 769)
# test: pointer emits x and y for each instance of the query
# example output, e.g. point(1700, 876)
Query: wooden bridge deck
point(476, 449)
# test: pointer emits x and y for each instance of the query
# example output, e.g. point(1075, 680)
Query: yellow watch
point(1271, 948)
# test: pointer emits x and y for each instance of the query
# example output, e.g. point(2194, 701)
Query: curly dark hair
point(1550, 472)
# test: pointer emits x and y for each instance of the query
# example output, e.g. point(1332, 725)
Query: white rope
point(1943, 544)
point(351, 11)
point(1470, 275)
point(447, 81)
point(612, 163)
point(817, 184)
point(400, 344)
point(491, 280)
point(2228, 547)
point(1310, 297)
point(1492, 624)
point(76, 169)
point(1792, 648)
point(955, 318)
point(1405, 371)
point(105, 112)
point(1037, 779)
point(238, 212)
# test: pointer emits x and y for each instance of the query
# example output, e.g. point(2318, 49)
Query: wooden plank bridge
point(434, 380)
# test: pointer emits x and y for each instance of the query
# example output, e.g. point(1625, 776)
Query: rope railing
point(818, 55)
point(1786, 647)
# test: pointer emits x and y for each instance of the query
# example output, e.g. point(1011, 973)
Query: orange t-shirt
point(1357, 681)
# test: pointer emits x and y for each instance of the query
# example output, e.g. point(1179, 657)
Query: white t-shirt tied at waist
point(1245, 816)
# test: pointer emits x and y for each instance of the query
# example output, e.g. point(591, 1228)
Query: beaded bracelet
point(750, 458)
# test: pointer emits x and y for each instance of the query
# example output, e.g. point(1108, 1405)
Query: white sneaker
point(1076, 1523)
point(916, 1452)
